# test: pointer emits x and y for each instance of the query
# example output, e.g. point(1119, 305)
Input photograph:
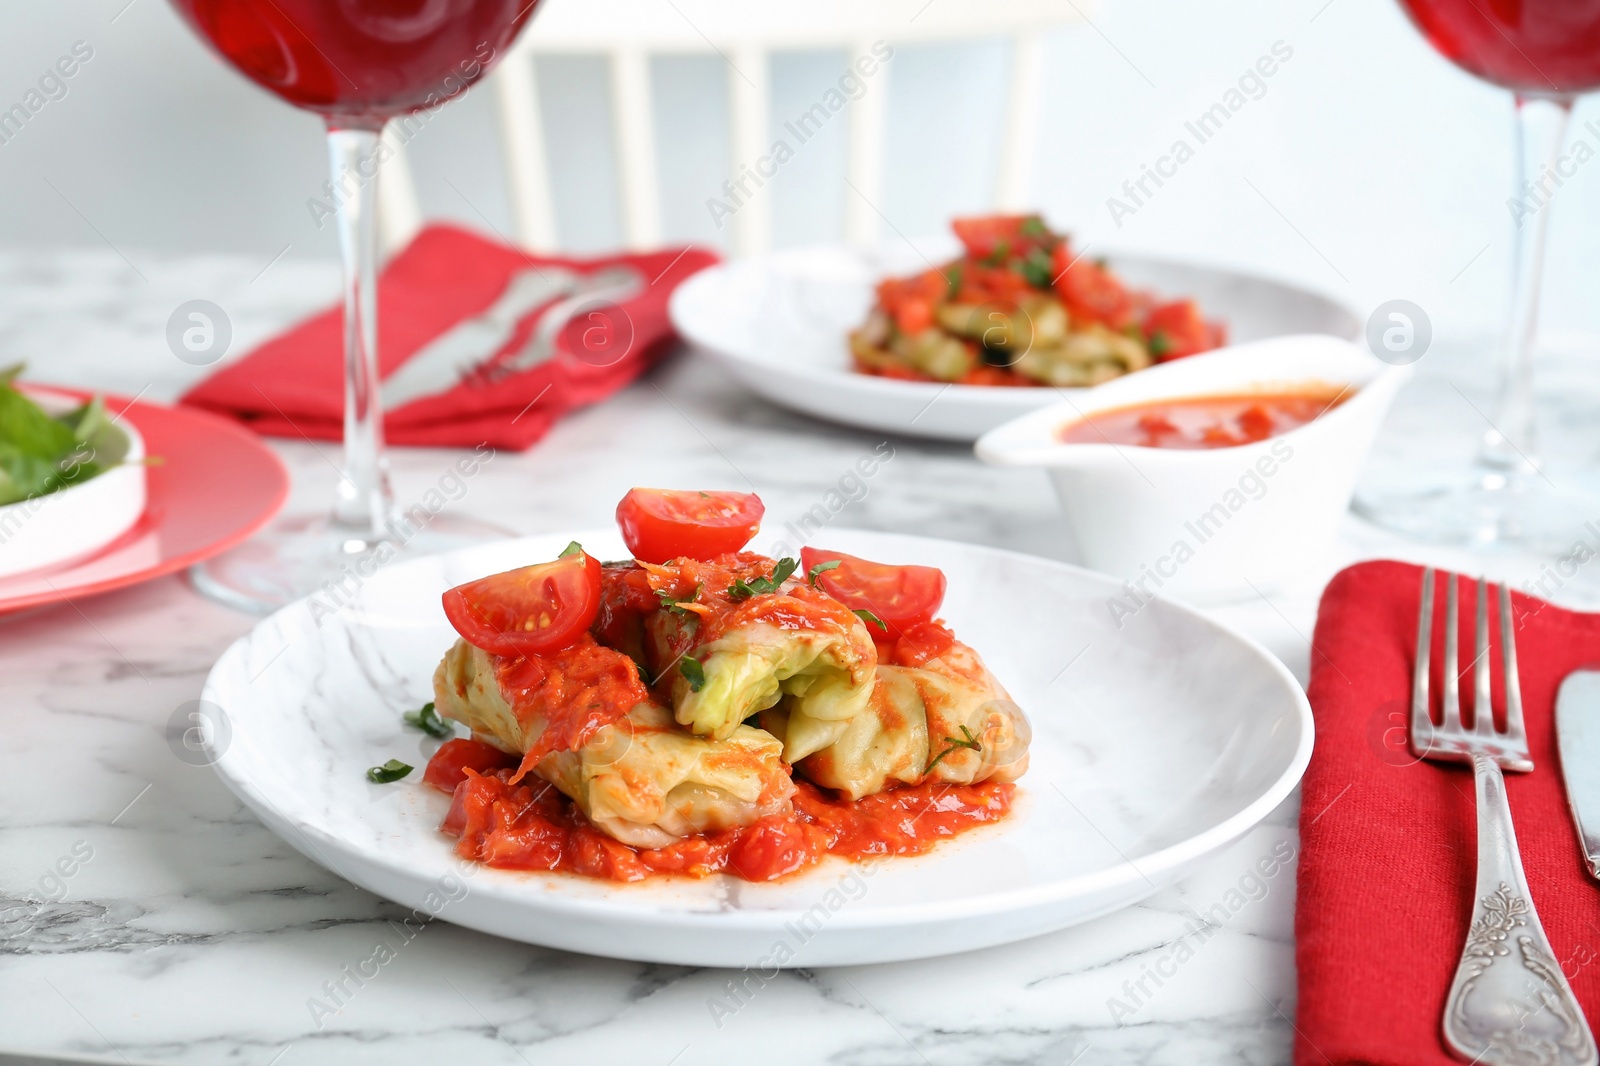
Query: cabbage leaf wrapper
point(639, 778)
point(948, 720)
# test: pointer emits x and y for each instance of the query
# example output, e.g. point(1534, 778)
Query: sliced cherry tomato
point(999, 237)
point(1090, 291)
point(530, 611)
point(1177, 329)
point(910, 301)
point(902, 596)
point(449, 765)
point(660, 525)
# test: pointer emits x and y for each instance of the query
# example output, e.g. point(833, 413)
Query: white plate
point(1160, 743)
point(778, 323)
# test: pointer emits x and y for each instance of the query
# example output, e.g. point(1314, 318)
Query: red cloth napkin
point(450, 300)
point(1389, 846)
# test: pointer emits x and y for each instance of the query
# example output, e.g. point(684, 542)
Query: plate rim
point(159, 494)
point(1144, 868)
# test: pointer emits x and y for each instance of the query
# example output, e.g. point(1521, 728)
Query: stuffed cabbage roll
point(646, 782)
point(638, 777)
point(948, 719)
point(740, 634)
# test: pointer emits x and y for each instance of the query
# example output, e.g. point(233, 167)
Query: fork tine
point(1450, 704)
point(1421, 717)
point(1482, 701)
point(1508, 655)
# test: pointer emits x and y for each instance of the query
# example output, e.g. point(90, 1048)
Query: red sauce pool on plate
point(1200, 422)
point(532, 826)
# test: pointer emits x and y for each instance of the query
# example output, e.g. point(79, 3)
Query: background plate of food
point(958, 335)
point(1032, 759)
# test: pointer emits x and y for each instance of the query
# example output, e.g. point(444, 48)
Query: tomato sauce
point(530, 825)
point(577, 691)
point(1203, 421)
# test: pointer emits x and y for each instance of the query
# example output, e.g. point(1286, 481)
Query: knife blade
point(1578, 739)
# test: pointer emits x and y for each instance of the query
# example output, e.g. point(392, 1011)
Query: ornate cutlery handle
point(1510, 1003)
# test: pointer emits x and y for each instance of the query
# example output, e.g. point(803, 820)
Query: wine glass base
point(301, 555)
point(1481, 508)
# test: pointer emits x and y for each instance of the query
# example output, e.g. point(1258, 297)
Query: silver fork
point(1509, 1003)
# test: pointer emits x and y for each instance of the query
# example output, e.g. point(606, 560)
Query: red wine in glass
point(1530, 46)
point(1546, 52)
point(357, 60)
point(358, 63)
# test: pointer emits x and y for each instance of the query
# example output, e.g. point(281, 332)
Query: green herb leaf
point(1158, 344)
point(952, 278)
point(1002, 252)
point(41, 454)
point(743, 590)
point(1037, 269)
point(393, 770)
point(671, 602)
point(871, 619)
point(820, 569)
point(572, 548)
point(1032, 226)
point(429, 722)
point(693, 673)
point(970, 742)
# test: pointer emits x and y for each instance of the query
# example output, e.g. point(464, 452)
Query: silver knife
point(1578, 738)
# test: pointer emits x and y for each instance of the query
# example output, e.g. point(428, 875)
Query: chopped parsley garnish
point(572, 548)
point(1036, 269)
point(1158, 344)
point(952, 278)
point(1002, 252)
point(820, 569)
point(969, 742)
point(870, 618)
point(693, 673)
point(743, 590)
point(393, 770)
point(671, 602)
point(1032, 226)
point(429, 722)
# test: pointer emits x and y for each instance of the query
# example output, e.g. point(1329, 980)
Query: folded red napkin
point(1388, 845)
point(478, 342)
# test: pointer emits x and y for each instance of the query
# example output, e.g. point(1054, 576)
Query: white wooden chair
point(744, 32)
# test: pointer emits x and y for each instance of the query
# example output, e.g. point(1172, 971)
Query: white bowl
point(80, 519)
point(1216, 523)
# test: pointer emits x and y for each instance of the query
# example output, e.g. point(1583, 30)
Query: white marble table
point(194, 935)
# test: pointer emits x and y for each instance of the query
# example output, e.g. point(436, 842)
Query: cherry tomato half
point(533, 610)
point(1177, 329)
point(1002, 236)
point(1090, 291)
point(902, 596)
point(660, 525)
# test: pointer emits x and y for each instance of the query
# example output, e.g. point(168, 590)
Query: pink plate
point(210, 485)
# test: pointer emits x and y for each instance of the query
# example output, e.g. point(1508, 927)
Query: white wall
point(1392, 165)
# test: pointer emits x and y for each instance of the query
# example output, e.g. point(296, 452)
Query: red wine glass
point(1546, 52)
point(358, 64)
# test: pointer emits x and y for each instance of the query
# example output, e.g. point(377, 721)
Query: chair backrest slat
point(533, 215)
point(631, 31)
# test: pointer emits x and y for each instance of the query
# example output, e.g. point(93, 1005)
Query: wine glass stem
point(365, 499)
point(1510, 445)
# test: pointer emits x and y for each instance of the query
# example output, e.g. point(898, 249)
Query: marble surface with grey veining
point(146, 917)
